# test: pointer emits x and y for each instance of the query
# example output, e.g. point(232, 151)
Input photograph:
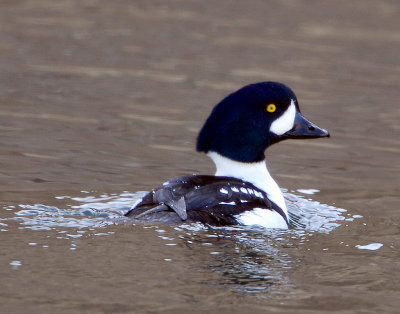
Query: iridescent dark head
point(247, 121)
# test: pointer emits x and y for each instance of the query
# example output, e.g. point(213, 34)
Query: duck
point(235, 136)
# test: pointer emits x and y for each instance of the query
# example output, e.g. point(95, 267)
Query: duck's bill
point(303, 128)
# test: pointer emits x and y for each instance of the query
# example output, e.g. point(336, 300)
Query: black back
point(208, 199)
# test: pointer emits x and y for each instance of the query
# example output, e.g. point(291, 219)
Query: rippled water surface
point(100, 101)
point(249, 260)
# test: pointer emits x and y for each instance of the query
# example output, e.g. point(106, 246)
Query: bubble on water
point(15, 263)
point(308, 191)
point(74, 235)
point(370, 247)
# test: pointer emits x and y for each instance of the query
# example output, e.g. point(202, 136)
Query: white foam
point(370, 247)
point(308, 191)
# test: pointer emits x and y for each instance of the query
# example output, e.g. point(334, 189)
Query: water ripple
point(91, 211)
point(249, 259)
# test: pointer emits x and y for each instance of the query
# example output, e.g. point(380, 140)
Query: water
point(96, 211)
point(248, 259)
point(100, 100)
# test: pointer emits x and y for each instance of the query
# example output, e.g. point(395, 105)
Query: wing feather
point(207, 199)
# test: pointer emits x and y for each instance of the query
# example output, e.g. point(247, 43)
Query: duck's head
point(249, 120)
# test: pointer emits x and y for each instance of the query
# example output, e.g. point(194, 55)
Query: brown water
point(101, 99)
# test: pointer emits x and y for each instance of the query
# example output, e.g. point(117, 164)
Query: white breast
point(257, 174)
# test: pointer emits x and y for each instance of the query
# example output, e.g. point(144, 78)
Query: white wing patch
point(223, 191)
point(225, 203)
point(285, 122)
point(235, 189)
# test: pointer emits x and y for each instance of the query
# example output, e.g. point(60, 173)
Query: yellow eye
point(271, 108)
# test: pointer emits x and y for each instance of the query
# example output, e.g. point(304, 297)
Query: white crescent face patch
point(285, 122)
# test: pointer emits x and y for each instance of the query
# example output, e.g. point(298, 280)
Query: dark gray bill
point(305, 129)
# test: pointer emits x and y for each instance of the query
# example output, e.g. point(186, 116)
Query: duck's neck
point(255, 173)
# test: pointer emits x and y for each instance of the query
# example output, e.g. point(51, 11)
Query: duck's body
point(235, 137)
point(218, 201)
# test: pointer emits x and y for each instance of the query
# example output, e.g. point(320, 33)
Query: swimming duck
point(235, 136)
